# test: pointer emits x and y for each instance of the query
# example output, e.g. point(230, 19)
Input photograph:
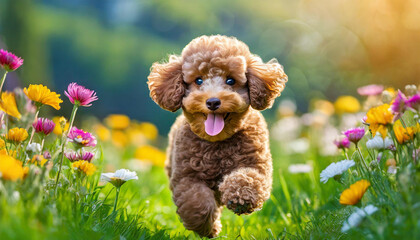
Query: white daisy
point(335, 169)
point(300, 168)
point(356, 218)
point(379, 143)
point(34, 147)
point(119, 177)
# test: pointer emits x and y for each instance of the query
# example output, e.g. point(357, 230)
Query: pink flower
point(355, 134)
point(47, 155)
point(81, 138)
point(398, 105)
point(414, 102)
point(43, 125)
point(370, 90)
point(80, 95)
point(342, 143)
point(74, 156)
point(9, 61)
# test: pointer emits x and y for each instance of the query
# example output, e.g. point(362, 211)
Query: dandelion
point(8, 104)
point(300, 168)
point(10, 168)
point(356, 218)
point(379, 143)
point(81, 138)
point(38, 160)
point(85, 167)
point(378, 119)
point(352, 195)
point(17, 135)
point(43, 96)
point(346, 104)
point(355, 134)
point(44, 126)
point(79, 95)
point(34, 147)
point(370, 90)
point(336, 169)
point(117, 179)
point(403, 134)
point(117, 121)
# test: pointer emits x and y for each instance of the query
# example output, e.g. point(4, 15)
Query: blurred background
point(328, 47)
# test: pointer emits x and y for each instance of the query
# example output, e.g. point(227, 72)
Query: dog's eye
point(230, 81)
point(198, 81)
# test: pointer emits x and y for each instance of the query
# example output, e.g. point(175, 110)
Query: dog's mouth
point(215, 123)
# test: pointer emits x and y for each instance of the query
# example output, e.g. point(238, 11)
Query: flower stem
point(116, 199)
point(64, 142)
point(361, 156)
point(3, 80)
point(32, 134)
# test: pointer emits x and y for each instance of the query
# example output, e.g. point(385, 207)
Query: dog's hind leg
point(197, 207)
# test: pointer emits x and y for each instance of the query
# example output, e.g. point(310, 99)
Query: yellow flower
point(403, 134)
point(378, 118)
point(119, 138)
point(41, 94)
point(58, 121)
point(38, 160)
point(103, 132)
point(2, 144)
point(151, 154)
point(8, 104)
point(352, 195)
point(346, 104)
point(85, 167)
point(324, 106)
point(10, 168)
point(149, 130)
point(117, 121)
point(17, 135)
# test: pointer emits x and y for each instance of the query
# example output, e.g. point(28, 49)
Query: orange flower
point(8, 104)
point(41, 94)
point(378, 118)
point(352, 195)
point(403, 134)
point(10, 168)
point(84, 167)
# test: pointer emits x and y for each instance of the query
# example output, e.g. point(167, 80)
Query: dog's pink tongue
point(214, 124)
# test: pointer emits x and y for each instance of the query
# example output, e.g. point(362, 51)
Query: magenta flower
point(47, 155)
point(80, 95)
point(74, 156)
point(9, 61)
point(414, 102)
point(398, 105)
point(43, 125)
point(342, 143)
point(81, 138)
point(370, 90)
point(355, 134)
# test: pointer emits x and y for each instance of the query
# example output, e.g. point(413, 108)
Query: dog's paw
point(238, 208)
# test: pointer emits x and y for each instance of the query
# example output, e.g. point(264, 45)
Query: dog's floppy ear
point(265, 82)
point(166, 83)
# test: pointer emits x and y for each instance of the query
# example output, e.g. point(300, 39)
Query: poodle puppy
point(218, 152)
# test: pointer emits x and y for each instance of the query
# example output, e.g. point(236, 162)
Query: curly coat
point(234, 167)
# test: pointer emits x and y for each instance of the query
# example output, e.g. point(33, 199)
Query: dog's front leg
point(245, 190)
point(197, 207)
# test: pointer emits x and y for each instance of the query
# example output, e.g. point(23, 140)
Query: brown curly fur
point(233, 168)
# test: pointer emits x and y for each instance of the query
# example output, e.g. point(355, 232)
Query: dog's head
point(215, 81)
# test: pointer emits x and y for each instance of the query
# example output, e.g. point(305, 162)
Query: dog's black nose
point(213, 103)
